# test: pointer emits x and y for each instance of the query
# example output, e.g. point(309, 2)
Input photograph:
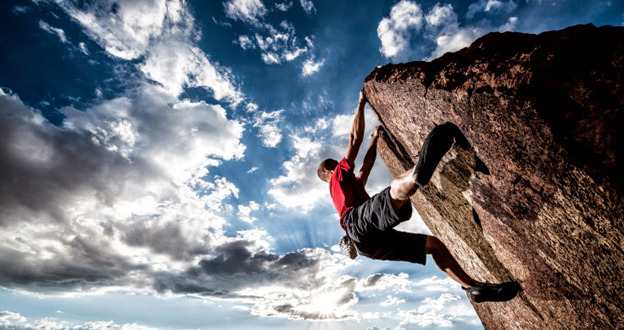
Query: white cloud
point(251, 107)
point(390, 300)
point(268, 122)
point(176, 65)
point(271, 58)
point(15, 320)
point(157, 130)
point(162, 35)
point(341, 125)
point(284, 6)
point(490, 6)
point(453, 37)
point(244, 211)
point(310, 66)
point(277, 44)
point(218, 192)
point(435, 283)
point(308, 6)
point(249, 11)
point(300, 188)
point(253, 169)
point(52, 30)
point(395, 31)
point(125, 29)
point(9, 318)
point(382, 281)
point(245, 42)
point(441, 15)
point(440, 312)
point(83, 48)
point(511, 24)
point(290, 55)
point(20, 10)
point(454, 40)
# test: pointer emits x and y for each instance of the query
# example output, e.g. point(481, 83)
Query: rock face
point(545, 114)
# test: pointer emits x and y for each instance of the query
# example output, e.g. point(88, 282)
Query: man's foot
point(492, 292)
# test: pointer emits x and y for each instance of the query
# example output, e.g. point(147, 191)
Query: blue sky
point(158, 159)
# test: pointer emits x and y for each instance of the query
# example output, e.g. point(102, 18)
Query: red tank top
point(347, 190)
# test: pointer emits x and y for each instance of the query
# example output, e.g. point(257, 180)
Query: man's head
point(326, 169)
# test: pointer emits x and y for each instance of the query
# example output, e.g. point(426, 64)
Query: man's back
point(347, 190)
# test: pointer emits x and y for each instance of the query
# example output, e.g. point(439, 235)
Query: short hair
point(325, 165)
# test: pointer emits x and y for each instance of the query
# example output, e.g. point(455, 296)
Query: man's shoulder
point(345, 165)
point(343, 173)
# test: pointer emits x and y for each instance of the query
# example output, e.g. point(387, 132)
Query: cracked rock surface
point(545, 114)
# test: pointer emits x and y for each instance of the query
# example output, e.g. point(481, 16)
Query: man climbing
point(369, 221)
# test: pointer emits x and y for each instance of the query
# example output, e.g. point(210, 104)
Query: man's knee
point(401, 189)
point(397, 189)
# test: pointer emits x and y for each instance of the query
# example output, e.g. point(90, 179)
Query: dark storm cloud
point(57, 193)
point(44, 169)
point(235, 258)
point(235, 266)
point(164, 238)
point(82, 265)
point(372, 280)
point(298, 291)
point(42, 166)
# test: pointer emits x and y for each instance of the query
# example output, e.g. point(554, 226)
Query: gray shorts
point(370, 226)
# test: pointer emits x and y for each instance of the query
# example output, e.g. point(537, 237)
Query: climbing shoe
point(492, 292)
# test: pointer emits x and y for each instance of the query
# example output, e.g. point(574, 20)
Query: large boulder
point(545, 114)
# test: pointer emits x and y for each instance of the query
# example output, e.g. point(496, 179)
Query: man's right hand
point(363, 98)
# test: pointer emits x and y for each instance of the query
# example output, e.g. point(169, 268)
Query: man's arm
point(369, 159)
point(357, 131)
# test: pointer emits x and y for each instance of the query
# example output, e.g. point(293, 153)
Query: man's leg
point(477, 291)
point(445, 261)
point(436, 144)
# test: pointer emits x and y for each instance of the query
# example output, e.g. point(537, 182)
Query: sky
point(158, 159)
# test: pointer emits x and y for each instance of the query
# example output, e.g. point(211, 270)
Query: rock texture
point(545, 114)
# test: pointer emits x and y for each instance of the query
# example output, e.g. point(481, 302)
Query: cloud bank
point(402, 33)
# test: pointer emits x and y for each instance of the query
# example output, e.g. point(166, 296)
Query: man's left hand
point(377, 132)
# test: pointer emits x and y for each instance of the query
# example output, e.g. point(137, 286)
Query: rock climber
point(369, 221)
